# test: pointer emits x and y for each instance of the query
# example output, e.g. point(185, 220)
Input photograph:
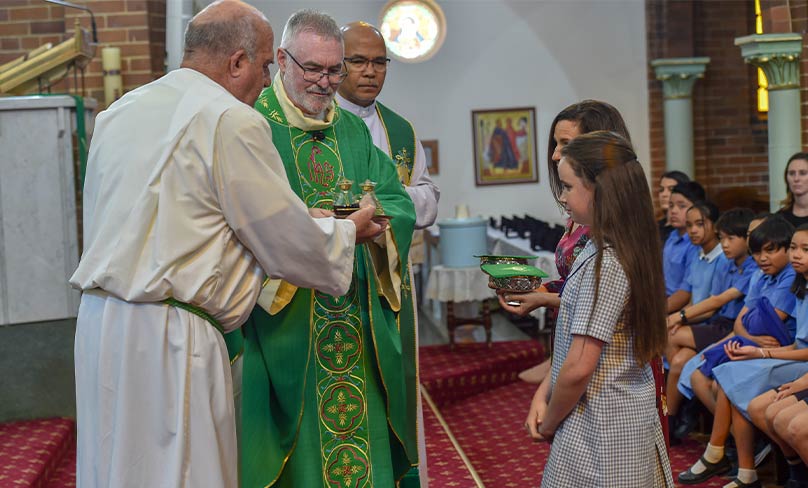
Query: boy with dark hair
point(679, 252)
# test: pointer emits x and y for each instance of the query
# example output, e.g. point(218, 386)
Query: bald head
point(230, 42)
point(224, 27)
point(360, 31)
point(366, 60)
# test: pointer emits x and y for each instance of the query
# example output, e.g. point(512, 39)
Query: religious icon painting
point(431, 152)
point(413, 30)
point(505, 146)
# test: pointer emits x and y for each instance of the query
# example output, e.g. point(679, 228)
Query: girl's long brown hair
point(624, 220)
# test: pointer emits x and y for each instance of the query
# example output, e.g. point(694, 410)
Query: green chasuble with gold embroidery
point(329, 382)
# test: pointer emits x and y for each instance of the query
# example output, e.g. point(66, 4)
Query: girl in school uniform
point(599, 408)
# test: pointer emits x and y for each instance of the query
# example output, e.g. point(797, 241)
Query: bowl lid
point(511, 270)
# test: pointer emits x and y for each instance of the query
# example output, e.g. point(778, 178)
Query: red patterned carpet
point(452, 375)
point(38, 453)
point(487, 421)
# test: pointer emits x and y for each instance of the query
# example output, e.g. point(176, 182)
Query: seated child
point(761, 362)
point(679, 252)
point(782, 414)
point(730, 283)
point(684, 386)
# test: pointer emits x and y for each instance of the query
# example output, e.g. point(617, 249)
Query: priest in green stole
point(366, 62)
point(329, 382)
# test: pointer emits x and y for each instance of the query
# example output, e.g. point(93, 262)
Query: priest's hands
point(366, 228)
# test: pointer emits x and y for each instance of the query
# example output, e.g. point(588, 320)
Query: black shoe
point(713, 469)
point(795, 484)
point(741, 484)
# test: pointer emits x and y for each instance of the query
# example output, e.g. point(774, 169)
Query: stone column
point(779, 56)
point(678, 76)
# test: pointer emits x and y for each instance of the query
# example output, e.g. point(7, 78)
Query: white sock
point(712, 454)
point(745, 476)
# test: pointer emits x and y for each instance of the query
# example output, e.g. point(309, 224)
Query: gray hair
point(309, 20)
point(223, 37)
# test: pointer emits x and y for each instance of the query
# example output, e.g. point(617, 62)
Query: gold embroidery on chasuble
point(337, 332)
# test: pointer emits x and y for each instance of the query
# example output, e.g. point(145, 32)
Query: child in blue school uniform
point(678, 252)
point(754, 379)
point(768, 313)
point(707, 396)
point(713, 316)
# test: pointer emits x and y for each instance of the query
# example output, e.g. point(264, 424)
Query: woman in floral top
point(579, 118)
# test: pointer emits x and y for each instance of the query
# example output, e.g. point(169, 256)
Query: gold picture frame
point(505, 146)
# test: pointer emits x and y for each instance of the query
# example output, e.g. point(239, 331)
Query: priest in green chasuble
point(329, 382)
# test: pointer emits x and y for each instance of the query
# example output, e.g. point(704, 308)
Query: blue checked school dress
point(612, 437)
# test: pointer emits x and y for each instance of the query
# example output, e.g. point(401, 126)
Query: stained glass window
point(413, 29)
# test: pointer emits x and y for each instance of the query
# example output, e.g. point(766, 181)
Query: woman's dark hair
point(691, 190)
point(678, 176)
point(798, 287)
point(735, 222)
point(788, 201)
point(707, 209)
point(590, 115)
point(623, 219)
point(775, 230)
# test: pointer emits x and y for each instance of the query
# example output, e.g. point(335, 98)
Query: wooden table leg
point(451, 323)
point(487, 322)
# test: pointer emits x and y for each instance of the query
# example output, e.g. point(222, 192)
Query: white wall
point(509, 53)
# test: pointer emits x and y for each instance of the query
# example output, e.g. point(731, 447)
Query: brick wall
point(136, 26)
point(730, 140)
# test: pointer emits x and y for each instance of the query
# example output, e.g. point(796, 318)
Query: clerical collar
point(363, 112)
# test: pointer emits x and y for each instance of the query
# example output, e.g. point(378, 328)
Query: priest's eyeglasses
point(314, 75)
point(359, 63)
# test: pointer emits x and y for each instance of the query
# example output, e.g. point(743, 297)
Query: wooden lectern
point(46, 65)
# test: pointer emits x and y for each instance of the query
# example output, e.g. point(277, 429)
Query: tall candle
point(113, 83)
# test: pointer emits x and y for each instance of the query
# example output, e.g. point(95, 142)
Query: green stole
point(401, 143)
point(400, 140)
point(329, 382)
